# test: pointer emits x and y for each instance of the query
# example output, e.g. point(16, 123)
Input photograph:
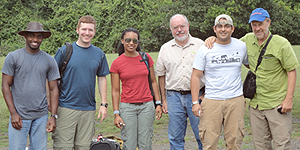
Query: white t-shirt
point(222, 69)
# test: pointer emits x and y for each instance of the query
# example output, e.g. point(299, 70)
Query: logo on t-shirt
point(225, 59)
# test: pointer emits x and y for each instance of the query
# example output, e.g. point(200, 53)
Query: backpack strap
point(146, 60)
point(69, 52)
point(263, 52)
point(63, 66)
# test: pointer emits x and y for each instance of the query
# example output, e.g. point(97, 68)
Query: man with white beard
point(174, 69)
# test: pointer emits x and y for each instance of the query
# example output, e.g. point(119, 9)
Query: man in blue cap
point(270, 109)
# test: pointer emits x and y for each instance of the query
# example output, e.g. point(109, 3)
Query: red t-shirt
point(134, 77)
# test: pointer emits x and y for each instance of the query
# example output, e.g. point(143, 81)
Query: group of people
point(197, 80)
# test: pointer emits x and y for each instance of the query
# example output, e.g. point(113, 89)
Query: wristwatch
point(104, 104)
point(55, 116)
point(195, 102)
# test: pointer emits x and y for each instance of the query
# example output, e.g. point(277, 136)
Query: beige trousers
point(227, 114)
point(268, 125)
point(75, 129)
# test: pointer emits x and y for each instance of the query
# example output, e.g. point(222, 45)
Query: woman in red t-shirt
point(136, 112)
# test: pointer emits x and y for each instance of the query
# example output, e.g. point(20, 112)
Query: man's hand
point(165, 108)
point(51, 124)
point(158, 112)
point(209, 42)
point(16, 121)
point(286, 105)
point(197, 111)
point(103, 112)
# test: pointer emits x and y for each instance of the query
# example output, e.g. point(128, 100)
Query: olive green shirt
point(271, 74)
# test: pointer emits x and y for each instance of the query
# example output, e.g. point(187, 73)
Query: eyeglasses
point(180, 26)
point(128, 40)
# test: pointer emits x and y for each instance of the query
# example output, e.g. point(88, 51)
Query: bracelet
point(158, 102)
point(195, 102)
point(116, 112)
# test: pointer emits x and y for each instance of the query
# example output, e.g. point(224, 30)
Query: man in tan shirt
point(174, 69)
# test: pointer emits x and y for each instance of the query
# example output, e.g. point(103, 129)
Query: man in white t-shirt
point(224, 103)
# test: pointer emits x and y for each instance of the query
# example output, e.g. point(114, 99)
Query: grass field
point(160, 127)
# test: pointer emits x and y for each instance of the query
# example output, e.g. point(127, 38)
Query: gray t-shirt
point(30, 71)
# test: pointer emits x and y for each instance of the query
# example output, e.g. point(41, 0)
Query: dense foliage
point(150, 17)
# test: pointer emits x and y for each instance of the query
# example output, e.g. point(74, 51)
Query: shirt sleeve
point(160, 69)
point(114, 67)
point(199, 61)
point(289, 59)
point(8, 67)
point(104, 69)
point(245, 59)
point(53, 74)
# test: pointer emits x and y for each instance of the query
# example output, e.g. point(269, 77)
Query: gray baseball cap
point(223, 16)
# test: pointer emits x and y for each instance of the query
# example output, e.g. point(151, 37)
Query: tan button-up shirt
point(175, 63)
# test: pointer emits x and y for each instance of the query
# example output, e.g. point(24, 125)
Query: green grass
point(160, 127)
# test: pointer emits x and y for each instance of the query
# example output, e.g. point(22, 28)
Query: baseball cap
point(223, 16)
point(259, 14)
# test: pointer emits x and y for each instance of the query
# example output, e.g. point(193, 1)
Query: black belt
point(137, 103)
point(182, 92)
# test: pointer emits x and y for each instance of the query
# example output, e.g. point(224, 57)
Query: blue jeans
point(37, 134)
point(179, 109)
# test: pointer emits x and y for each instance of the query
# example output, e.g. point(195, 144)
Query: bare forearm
point(54, 96)
point(292, 76)
point(154, 84)
point(115, 100)
point(161, 82)
point(115, 90)
point(7, 94)
point(102, 86)
point(9, 100)
point(195, 85)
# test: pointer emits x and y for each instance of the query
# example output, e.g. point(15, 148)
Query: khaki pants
point(228, 114)
point(268, 125)
point(138, 129)
point(75, 129)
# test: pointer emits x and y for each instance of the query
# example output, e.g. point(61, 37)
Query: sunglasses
point(128, 40)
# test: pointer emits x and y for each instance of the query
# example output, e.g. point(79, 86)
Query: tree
point(150, 17)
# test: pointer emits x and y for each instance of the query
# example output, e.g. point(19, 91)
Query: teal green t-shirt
point(271, 74)
point(79, 80)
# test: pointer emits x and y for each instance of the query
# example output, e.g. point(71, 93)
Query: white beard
point(181, 38)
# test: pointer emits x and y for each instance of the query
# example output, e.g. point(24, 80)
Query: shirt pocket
point(269, 62)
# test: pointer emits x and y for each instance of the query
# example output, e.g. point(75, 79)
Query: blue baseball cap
point(259, 14)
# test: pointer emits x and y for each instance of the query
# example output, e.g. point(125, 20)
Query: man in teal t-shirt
point(77, 104)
